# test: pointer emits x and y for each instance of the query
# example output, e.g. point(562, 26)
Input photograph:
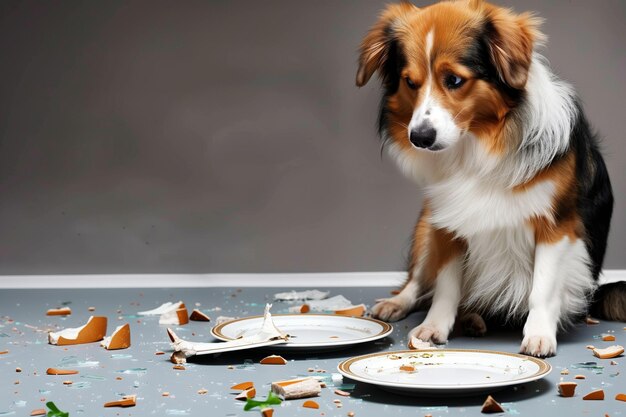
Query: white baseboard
point(295, 280)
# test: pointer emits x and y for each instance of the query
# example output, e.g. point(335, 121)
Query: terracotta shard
point(120, 339)
point(242, 386)
point(178, 358)
point(55, 371)
point(595, 395)
point(305, 308)
point(93, 331)
point(126, 401)
point(418, 344)
point(609, 352)
point(342, 393)
point(197, 315)
point(297, 388)
point(177, 317)
point(353, 311)
point(310, 404)
point(267, 412)
point(273, 360)
point(179, 367)
point(608, 338)
point(63, 311)
point(580, 377)
point(246, 394)
point(407, 368)
point(3, 352)
point(491, 406)
point(620, 397)
point(38, 412)
point(567, 389)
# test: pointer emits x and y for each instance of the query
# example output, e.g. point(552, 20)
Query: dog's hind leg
point(398, 307)
point(473, 324)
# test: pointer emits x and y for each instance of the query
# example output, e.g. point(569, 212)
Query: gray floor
point(23, 326)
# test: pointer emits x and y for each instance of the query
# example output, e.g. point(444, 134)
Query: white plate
point(444, 371)
point(309, 331)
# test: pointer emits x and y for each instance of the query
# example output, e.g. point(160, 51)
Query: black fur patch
point(479, 61)
point(595, 196)
point(390, 75)
point(610, 302)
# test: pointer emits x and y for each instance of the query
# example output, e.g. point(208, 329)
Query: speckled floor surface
point(106, 375)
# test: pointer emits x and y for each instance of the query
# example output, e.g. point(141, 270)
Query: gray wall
point(228, 136)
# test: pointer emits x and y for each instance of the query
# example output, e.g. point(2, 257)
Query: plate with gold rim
point(444, 371)
point(309, 331)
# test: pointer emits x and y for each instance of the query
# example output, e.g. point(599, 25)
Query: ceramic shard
point(93, 331)
point(268, 335)
point(301, 295)
point(120, 339)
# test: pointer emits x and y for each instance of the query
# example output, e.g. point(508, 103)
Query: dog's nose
point(423, 136)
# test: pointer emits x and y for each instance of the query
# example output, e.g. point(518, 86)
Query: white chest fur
point(499, 264)
point(470, 206)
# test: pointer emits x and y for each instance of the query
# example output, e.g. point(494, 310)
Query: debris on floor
point(491, 406)
point(310, 404)
point(93, 331)
point(567, 389)
point(338, 302)
point(223, 319)
point(120, 339)
point(273, 360)
point(197, 315)
point(595, 395)
point(55, 371)
point(418, 344)
point(297, 388)
point(609, 352)
point(352, 311)
point(301, 295)
point(126, 401)
point(63, 311)
point(268, 335)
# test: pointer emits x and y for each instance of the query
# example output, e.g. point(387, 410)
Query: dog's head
point(449, 69)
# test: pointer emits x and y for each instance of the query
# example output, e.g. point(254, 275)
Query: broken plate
point(265, 334)
point(309, 331)
point(444, 371)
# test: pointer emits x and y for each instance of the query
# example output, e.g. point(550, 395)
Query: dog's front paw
point(541, 346)
point(391, 309)
point(430, 333)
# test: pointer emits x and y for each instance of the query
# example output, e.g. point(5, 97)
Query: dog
point(517, 198)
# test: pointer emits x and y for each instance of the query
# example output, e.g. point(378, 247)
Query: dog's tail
point(609, 302)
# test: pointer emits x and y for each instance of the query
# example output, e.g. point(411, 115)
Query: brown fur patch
point(566, 221)
point(434, 247)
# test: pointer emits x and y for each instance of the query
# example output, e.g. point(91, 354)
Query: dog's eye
point(453, 82)
point(410, 83)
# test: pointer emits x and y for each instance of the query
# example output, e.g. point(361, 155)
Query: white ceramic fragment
point(301, 295)
point(162, 309)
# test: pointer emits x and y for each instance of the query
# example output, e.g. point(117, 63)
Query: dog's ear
point(375, 47)
point(511, 39)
